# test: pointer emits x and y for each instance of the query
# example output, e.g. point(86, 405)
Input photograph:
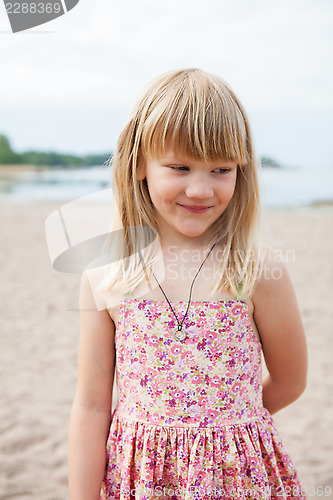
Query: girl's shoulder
point(104, 299)
point(274, 274)
point(274, 299)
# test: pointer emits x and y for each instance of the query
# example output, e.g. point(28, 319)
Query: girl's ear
point(141, 169)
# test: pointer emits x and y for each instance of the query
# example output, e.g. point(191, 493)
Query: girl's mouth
point(195, 209)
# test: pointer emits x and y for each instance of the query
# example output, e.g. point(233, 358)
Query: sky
point(68, 85)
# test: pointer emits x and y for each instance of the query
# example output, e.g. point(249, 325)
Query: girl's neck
point(190, 254)
point(201, 244)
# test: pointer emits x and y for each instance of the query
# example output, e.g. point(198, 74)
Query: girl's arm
point(280, 327)
point(91, 411)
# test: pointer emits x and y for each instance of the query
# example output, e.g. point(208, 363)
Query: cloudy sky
point(68, 85)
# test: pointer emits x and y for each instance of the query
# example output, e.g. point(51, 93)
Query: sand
point(39, 341)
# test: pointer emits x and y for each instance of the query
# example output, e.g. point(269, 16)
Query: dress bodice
point(210, 379)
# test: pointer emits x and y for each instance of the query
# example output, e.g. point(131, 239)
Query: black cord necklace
point(179, 332)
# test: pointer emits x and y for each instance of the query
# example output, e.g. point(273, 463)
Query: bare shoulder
point(274, 272)
point(277, 316)
point(102, 297)
point(274, 289)
point(92, 313)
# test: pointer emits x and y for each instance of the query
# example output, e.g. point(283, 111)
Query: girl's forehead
point(171, 154)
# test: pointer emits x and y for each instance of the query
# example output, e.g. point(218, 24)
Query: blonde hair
point(197, 114)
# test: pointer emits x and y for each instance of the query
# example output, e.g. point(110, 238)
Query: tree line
point(48, 158)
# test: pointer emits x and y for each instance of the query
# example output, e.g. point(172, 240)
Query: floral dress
point(189, 421)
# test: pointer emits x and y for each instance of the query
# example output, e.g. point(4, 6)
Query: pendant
point(179, 334)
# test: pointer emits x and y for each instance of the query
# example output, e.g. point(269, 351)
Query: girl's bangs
point(201, 123)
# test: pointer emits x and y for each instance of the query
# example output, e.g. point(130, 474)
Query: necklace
point(179, 333)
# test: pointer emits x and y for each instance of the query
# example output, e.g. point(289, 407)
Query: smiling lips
point(195, 209)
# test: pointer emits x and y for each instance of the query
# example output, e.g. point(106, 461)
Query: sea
point(280, 187)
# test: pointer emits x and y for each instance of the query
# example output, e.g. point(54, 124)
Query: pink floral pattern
point(189, 422)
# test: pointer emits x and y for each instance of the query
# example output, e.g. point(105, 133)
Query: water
point(55, 185)
point(296, 187)
point(280, 188)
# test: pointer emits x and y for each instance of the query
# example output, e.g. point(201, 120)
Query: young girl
point(193, 417)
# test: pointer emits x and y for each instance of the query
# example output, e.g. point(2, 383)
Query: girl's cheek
point(231, 188)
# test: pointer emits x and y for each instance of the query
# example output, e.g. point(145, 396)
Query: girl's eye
point(183, 168)
point(180, 168)
point(221, 170)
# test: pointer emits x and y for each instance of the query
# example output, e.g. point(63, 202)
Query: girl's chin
point(193, 233)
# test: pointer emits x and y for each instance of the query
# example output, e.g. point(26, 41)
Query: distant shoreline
point(321, 204)
point(19, 168)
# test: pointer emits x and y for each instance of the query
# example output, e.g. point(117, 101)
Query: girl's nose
point(199, 188)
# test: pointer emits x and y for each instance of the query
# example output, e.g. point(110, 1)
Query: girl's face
point(188, 194)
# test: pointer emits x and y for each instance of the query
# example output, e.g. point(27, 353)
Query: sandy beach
point(39, 341)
